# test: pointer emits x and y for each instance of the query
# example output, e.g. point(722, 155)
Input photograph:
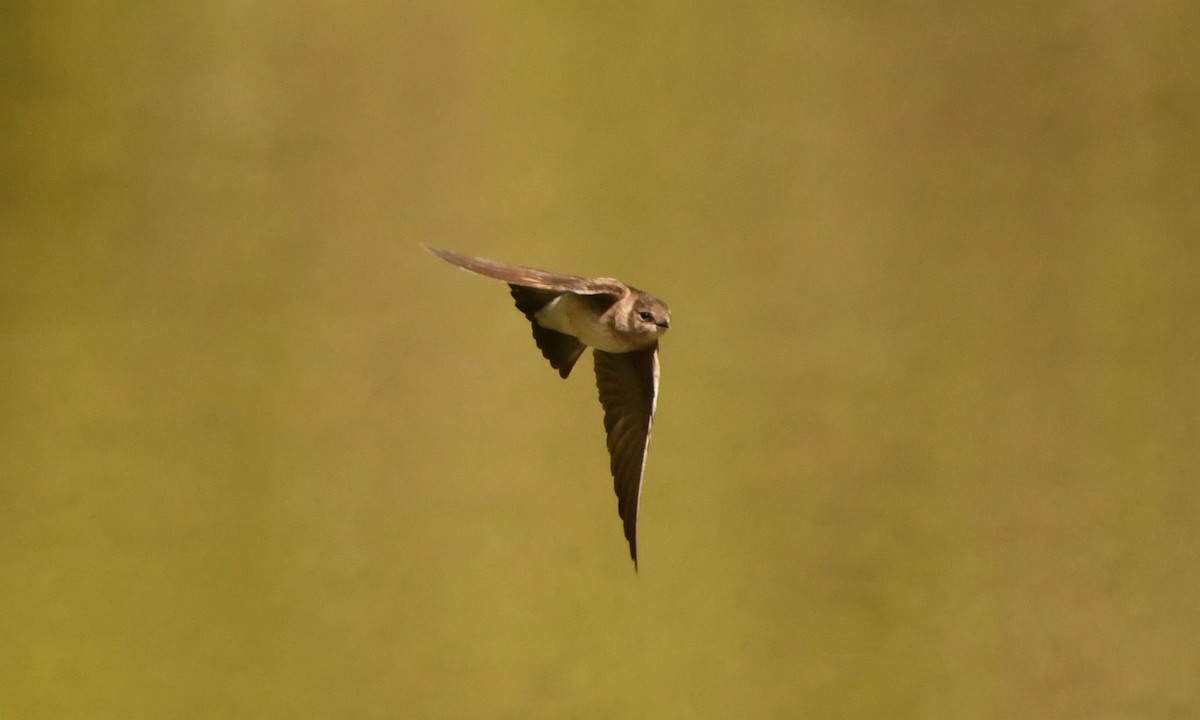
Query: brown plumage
point(623, 325)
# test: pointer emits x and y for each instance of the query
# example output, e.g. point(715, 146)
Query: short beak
point(663, 324)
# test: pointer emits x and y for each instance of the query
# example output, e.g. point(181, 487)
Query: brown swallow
point(622, 324)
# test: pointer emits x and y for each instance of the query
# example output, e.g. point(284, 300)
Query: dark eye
point(646, 316)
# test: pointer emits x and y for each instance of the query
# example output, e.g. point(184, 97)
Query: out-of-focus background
point(927, 444)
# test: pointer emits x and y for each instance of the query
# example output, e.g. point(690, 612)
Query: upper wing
point(628, 384)
point(530, 277)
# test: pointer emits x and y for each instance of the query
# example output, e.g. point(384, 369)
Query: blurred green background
point(927, 444)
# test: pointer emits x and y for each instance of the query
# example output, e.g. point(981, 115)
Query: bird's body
point(622, 324)
point(575, 315)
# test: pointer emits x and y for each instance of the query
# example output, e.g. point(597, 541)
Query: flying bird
point(622, 325)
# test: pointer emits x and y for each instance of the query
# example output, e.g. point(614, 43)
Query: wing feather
point(530, 277)
point(628, 385)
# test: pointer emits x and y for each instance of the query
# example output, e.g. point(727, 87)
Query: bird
point(622, 325)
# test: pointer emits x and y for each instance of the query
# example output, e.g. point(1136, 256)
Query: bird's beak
point(664, 324)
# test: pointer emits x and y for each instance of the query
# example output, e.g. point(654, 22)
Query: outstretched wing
point(529, 277)
point(628, 384)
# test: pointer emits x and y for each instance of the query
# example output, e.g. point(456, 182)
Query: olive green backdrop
point(927, 444)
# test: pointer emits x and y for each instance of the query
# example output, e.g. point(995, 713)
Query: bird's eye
point(646, 316)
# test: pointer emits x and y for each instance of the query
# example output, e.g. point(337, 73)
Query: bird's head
point(651, 316)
